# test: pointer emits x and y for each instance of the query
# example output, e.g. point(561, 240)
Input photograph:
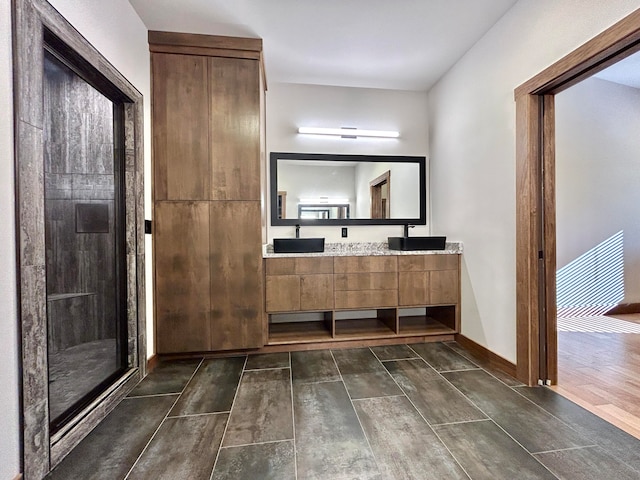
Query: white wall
point(9, 378)
point(472, 149)
point(598, 173)
point(290, 106)
point(127, 50)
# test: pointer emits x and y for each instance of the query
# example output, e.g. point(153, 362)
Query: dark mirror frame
point(273, 189)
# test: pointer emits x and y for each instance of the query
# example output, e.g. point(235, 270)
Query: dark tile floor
point(427, 411)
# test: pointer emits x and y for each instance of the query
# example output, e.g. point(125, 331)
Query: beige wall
point(472, 149)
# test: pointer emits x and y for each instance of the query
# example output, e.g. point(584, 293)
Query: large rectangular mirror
point(324, 189)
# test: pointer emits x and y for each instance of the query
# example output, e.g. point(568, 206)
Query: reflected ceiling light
point(324, 200)
point(348, 132)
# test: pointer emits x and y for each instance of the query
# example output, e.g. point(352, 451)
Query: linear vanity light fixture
point(347, 132)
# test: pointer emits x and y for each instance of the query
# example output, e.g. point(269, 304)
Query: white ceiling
point(625, 72)
point(402, 44)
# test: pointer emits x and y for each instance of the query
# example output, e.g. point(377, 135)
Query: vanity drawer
point(365, 264)
point(366, 281)
point(418, 263)
point(366, 299)
point(298, 265)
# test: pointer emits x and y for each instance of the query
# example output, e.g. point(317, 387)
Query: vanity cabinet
point(427, 280)
point(327, 299)
point(299, 284)
point(206, 125)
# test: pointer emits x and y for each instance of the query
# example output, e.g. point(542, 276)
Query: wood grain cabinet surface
point(398, 296)
point(206, 122)
point(299, 284)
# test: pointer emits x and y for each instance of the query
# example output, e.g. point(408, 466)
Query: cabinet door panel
point(282, 293)
point(316, 292)
point(181, 252)
point(180, 127)
point(234, 86)
point(413, 288)
point(443, 287)
point(367, 281)
point(236, 275)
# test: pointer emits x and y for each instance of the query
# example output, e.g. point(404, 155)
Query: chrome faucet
point(407, 226)
point(297, 231)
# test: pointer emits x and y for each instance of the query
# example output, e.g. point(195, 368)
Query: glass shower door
point(84, 228)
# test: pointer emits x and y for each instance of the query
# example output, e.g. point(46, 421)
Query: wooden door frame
point(374, 188)
point(535, 187)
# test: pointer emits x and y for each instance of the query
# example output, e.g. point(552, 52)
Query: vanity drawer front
point(282, 293)
point(366, 281)
point(366, 299)
point(365, 264)
point(316, 292)
point(417, 263)
point(314, 265)
point(298, 265)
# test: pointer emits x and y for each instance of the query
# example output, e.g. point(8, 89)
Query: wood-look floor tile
point(265, 461)
point(404, 445)
point(183, 448)
point(533, 427)
point(442, 358)
point(330, 443)
point(591, 463)
point(167, 377)
point(435, 399)
point(619, 443)
point(393, 352)
point(212, 388)
point(262, 411)
point(487, 453)
point(363, 374)
point(267, 360)
point(314, 366)
point(112, 448)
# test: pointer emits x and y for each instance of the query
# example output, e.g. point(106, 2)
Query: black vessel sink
point(417, 243)
point(298, 245)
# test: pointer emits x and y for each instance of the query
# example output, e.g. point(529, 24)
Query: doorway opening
point(381, 196)
point(536, 109)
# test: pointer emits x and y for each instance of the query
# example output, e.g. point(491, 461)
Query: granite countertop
point(361, 249)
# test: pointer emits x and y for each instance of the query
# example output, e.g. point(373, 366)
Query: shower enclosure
point(84, 238)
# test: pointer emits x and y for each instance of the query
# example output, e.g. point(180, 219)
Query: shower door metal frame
point(41, 450)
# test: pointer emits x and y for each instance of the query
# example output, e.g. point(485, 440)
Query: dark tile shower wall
point(78, 169)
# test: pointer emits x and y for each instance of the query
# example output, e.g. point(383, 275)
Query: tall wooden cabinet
point(206, 121)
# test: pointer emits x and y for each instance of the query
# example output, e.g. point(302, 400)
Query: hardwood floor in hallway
point(423, 411)
point(599, 367)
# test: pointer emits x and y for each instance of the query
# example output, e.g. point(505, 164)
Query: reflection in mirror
point(347, 189)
